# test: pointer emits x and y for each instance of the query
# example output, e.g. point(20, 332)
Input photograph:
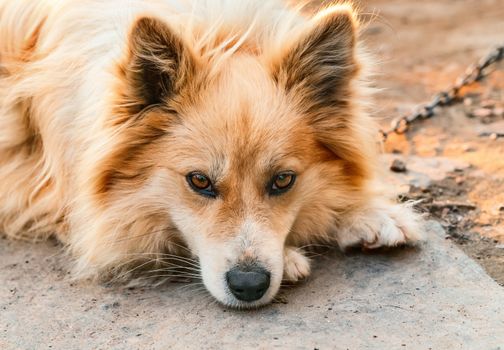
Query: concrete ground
point(432, 297)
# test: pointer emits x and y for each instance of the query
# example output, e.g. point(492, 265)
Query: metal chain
point(473, 73)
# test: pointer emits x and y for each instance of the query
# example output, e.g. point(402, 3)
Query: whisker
point(315, 245)
point(159, 280)
point(181, 246)
point(164, 254)
point(314, 255)
point(167, 258)
point(212, 302)
point(171, 275)
point(196, 286)
point(176, 269)
point(178, 256)
point(124, 274)
point(175, 273)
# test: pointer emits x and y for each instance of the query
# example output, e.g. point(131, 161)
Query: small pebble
point(113, 305)
point(487, 103)
point(398, 166)
point(469, 148)
point(498, 112)
point(482, 112)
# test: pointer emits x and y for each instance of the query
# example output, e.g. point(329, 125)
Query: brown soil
point(422, 46)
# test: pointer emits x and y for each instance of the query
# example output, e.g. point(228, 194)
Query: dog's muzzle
point(248, 284)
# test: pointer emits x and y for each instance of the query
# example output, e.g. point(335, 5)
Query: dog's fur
point(106, 106)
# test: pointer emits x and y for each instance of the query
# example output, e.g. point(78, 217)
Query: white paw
point(389, 233)
point(296, 265)
point(385, 225)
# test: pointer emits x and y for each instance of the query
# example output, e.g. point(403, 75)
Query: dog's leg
point(296, 265)
point(381, 224)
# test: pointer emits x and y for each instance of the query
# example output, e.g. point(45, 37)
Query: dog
point(229, 135)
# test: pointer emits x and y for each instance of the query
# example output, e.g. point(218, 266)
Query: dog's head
point(239, 158)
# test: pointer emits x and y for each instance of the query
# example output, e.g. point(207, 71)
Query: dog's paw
point(391, 230)
point(296, 265)
point(385, 225)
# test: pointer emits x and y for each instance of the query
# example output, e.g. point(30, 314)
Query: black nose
point(248, 285)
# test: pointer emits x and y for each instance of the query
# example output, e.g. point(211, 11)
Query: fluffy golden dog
point(231, 132)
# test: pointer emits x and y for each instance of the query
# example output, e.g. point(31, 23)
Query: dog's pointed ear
point(319, 66)
point(158, 66)
point(317, 71)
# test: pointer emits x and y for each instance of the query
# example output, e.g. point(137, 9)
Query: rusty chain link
point(473, 73)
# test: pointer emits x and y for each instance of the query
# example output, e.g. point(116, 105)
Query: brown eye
point(282, 182)
point(200, 181)
point(201, 184)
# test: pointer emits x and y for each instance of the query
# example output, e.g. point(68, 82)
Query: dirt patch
point(469, 202)
point(447, 201)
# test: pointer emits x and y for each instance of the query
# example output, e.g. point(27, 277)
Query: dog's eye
point(282, 182)
point(201, 184)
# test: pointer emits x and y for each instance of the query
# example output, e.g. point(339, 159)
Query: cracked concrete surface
point(434, 297)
